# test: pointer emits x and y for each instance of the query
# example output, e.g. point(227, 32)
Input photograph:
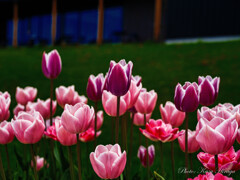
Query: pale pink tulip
point(18, 109)
point(25, 95)
point(193, 145)
point(6, 132)
point(170, 114)
point(5, 101)
point(108, 161)
point(109, 102)
point(88, 135)
point(216, 136)
point(78, 118)
point(63, 136)
point(40, 162)
point(146, 102)
point(138, 119)
point(43, 107)
point(28, 127)
point(99, 120)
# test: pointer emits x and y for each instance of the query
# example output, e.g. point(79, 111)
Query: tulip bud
point(40, 162)
point(186, 97)
point(51, 64)
point(193, 145)
point(5, 101)
point(95, 87)
point(119, 77)
point(142, 155)
point(208, 89)
point(25, 95)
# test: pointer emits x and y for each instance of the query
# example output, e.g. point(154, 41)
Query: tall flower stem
point(186, 144)
point(216, 163)
point(124, 127)
point(117, 120)
point(34, 162)
point(79, 158)
point(71, 162)
point(146, 142)
point(1, 169)
point(95, 124)
point(172, 158)
point(8, 161)
point(161, 158)
point(51, 100)
point(113, 125)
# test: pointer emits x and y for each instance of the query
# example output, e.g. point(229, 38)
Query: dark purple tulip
point(51, 64)
point(186, 97)
point(208, 89)
point(119, 77)
point(142, 155)
point(95, 87)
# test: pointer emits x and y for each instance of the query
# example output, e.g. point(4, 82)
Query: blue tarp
point(72, 27)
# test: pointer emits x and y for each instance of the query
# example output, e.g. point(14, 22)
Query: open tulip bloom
point(210, 176)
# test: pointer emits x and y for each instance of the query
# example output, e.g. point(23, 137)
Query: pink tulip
point(28, 127)
point(108, 161)
point(193, 145)
point(28, 94)
point(142, 155)
point(68, 95)
point(171, 115)
point(146, 102)
point(43, 107)
point(47, 122)
point(18, 109)
point(88, 135)
point(139, 119)
point(40, 162)
point(109, 102)
point(228, 161)
point(157, 130)
point(99, 120)
point(78, 118)
point(51, 132)
point(6, 132)
point(5, 101)
point(210, 176)
point(238, 136)
point(63, 136)
point(216, 136)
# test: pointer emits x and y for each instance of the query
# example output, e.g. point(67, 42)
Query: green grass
point(161, 67)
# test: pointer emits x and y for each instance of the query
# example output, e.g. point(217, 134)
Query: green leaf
point(121, 177)
point(157, 176)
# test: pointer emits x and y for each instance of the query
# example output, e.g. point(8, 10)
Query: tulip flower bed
point(68, 94)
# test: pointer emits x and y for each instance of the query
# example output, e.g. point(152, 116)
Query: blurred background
point(169, 41)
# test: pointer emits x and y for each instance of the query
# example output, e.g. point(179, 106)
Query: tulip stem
point(216, 163)
point(146, 141)
point(79, 158)
point(51, 100)
point(34, 162)
point(186, 145)
point(113, 125)
point(8, 161)
point(161, 157)
point(95, 124)
point(71, 162)
point(172, 158)
point(117, 120)
point(1, 169)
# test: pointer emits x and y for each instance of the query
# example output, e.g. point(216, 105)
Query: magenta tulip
point(18, 109)
point(64, 137)
point(5, 101)
point(119, 77)
point(109, 102)
point(43, 107)
point(138, 119)
point(95, 87)
point(146, 102)
point(228, 161)
point(40, 162)
point(51, 132)
point(170, 114)
point(157, 130)
point(186, 97)
point(51, 64)
point(142, 155)
point(88, 135)
point(25, 95)
point(216, 136)
point(208, 89)
point(99, 120)
point(108, 161)
point(210, 176)
point(193, 145)
point(78, 118)
point(28, 127)
point(6, 132)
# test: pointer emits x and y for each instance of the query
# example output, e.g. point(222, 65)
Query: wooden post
point(100, 22)
point(54, 20)
point(157, 19)
point(15, 24)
